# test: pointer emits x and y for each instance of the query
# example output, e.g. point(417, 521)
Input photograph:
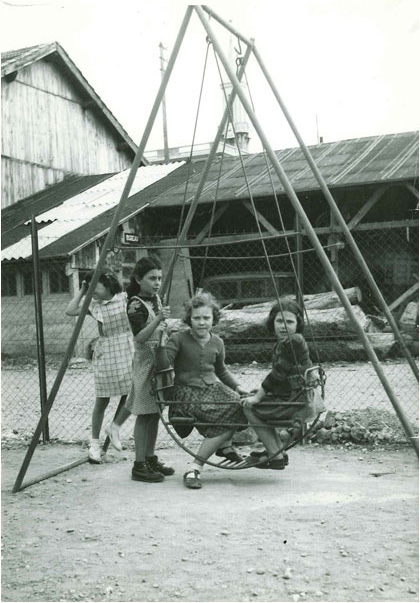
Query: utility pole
point(165, 126)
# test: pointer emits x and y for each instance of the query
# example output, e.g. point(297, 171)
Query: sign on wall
point(131, 238)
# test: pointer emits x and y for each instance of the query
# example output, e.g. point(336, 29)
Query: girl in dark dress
point(284, 382)
point(146, 315)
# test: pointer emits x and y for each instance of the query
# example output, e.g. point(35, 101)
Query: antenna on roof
point(163, 60)
point(319, 139)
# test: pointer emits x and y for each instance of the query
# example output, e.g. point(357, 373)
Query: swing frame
point(203, 12)
point(162, 385)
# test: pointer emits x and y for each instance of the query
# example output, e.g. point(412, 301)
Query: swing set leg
point(71, 465)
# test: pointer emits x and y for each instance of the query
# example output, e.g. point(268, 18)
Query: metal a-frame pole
point(312, 234)
point(330, 200)
point(196, 198)
point(107, 244)
point(341, 222)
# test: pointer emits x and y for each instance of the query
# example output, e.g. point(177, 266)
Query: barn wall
point(48, 133)
point(19, 335)
point(19, 179)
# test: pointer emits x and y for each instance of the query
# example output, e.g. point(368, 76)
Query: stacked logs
point(328, 327)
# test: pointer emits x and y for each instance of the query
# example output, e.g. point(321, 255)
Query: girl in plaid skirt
point(203, 384)
point(112, 353)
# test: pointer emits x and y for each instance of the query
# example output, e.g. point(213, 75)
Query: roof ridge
point(23, 57)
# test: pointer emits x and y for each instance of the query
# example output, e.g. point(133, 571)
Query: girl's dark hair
point(287, 304)
point(199, 301)
point(108, 279)
point(142, 267)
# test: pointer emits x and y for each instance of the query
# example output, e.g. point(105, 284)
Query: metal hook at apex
point(240, 47)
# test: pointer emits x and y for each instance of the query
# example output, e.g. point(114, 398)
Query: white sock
point(94, 441)
point(195, 466)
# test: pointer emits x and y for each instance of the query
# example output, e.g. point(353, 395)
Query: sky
point(344, 68)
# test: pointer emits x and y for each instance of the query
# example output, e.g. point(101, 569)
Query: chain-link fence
point(241, 278)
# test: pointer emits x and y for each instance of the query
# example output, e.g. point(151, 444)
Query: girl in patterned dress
point(203, 382)
point(290, 361)
point(112, 354)
point(146, 316)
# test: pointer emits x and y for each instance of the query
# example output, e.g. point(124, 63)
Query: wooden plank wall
point(48, 133)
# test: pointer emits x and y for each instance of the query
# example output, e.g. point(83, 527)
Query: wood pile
point(409, 324)
point(324, 317)
point(326, 322)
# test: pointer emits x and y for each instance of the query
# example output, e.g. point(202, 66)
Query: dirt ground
point(336, 525)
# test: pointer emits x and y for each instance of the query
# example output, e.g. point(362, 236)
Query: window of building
point(28, 283)
point(8, 283)
point(59, 281)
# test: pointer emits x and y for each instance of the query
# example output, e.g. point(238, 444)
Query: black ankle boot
point(155, 465)
point(141, 472)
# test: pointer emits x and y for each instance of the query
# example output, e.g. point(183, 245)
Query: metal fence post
point(40, 347)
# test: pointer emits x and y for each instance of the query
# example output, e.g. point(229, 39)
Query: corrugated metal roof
point(13, 60)
point(92, 230)
point(85, 206)
point(389, 158)
point(13, 217)
point(354, 162)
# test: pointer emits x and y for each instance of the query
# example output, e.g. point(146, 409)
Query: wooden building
point(72, 217)
point(374, 182)
point(54, 124)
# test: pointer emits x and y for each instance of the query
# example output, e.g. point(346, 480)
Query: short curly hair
point(201, 300)
point(285, 304)
point(108, 279)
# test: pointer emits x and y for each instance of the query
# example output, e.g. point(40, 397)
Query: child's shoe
point(277, 463)
point(113, 432)
point(94, 452)
point(262, 457)
point(229, 453)
point(257, 454)
point(141, 472)
point(155, 465)
point(192, 479)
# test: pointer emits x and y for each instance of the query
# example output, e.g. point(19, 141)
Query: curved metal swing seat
point(292, 432)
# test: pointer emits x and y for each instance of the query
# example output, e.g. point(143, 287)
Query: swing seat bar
point(314, 377)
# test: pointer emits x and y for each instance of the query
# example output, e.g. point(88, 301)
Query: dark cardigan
point(198, 365)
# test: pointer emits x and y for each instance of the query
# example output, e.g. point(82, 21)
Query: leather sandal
point(276, 464)
point(260, 462)
point(259, 454)
point(231, 455)
point(264, 463)
point(192, 482)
